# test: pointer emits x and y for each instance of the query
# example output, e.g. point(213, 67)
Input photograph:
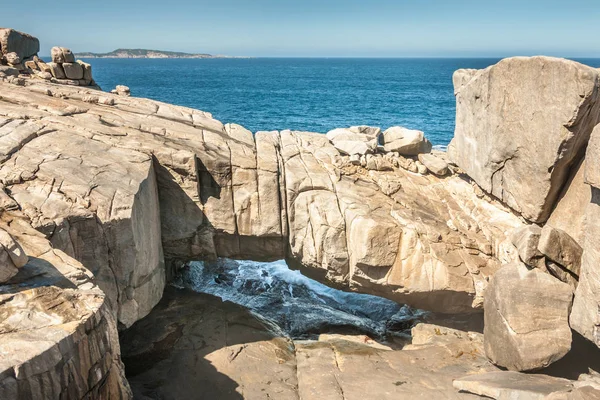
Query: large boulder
point(26, 46)
point(569, 213)
point(73, 70)
point(592, 168)
point(526, 240)
point(61, 55)
point(434, 164)
point(406, 142)
point(355, 140)
point(561, 248)
point(526, 318)
point(12, 256)
point(585, 317)
point(520, 126)
point(58, 339)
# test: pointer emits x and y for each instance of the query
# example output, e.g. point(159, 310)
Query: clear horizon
point(337, 29)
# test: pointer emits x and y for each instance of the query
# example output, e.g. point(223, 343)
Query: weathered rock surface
point(526, 240)
point(592, 169)
point(561, 248)
point(121, 90)
point(422, 240)
point(73, 70)
point(133, 188)
point(506, 385)
point(434, 164)
point(24, 45)
point(58, 338)
point(236, 356)
point(406, 142)
point(519, 146)
point(585, 317)
point(355, 140)
point(569, 213)
point(12, 256)
point(526, 318)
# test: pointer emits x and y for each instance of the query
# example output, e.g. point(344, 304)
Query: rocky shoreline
point(105, 197)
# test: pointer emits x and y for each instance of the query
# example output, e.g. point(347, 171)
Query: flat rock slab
point(194, 345)
point(506, 385)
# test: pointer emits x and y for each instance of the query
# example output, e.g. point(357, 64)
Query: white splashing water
point(298, 305)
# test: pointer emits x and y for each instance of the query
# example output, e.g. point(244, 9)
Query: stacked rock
point(65, 69)
point(121, 90)
point(369, 148)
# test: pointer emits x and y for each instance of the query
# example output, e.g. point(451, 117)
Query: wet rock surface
point(300, 307)
point(196, 346)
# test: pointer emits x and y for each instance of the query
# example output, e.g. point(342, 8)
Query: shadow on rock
point(194, 346)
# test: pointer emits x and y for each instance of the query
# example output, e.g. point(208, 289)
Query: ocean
point(313, 94)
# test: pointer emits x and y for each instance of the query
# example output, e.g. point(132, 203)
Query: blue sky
point(317, 28)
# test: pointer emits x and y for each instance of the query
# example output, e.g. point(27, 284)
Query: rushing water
point(299, 306)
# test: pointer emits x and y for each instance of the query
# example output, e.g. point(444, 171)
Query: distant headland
point(144, 53)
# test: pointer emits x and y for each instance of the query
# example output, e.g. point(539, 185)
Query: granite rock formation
point(11, 41)
point(358, 140)
point(526, 318)
point(406, 142)
point(109, 195)
point(520, 126)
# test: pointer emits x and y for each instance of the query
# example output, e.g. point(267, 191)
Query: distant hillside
point(143, 53)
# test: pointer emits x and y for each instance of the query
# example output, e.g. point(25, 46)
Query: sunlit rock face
point(146, 183)
point(520, 126)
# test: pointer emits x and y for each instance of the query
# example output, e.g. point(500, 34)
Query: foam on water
point(299, 306)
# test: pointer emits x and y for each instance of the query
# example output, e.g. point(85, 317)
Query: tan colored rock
point(31, 65)
point(110, 222)
point(121, 90)
point(561, 248)
point(526, 240)
point(68, 56)
point(223, 192)
point(526, 318)
point(12, 256)
point(57, 336)
point(585, 317)
point(87, 70)
point(73, 70)
point(521, 150)
point(56, 55)
point(434, 164)
point(569, 213)
point(592, 170)
point(505, 385)
point(406, 142)
point(24, 45)
point(232, 351)
point(12, 59)
point(57, 70)
point(421, 168)
point(355, 140)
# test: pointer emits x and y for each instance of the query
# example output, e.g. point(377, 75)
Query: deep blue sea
point(302, 94)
